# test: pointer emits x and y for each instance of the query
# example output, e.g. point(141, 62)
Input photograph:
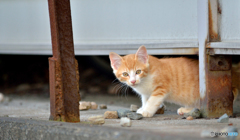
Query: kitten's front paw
point(147, 114)
point(140, 110)
point(180, 112)
point(183, 110)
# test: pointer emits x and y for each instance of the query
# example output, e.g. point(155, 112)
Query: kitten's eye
point(125, 74)
point(138, 71)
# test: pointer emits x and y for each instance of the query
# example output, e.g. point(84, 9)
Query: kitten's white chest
point(145, 87)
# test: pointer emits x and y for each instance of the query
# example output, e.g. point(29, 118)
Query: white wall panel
point(230, 20)
point(122, 20)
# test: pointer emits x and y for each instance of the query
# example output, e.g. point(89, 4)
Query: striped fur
point(174, 80)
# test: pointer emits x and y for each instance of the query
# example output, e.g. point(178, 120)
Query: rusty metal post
point(219, 98)
point(63, 69)
point(215, 70)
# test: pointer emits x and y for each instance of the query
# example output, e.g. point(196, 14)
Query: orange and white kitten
point(174, 80)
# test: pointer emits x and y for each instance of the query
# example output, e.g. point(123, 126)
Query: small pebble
point(133, 108)
point(97, 119)
point(123, 112)
point(134, 116)
point(94, 105)
point(1, 97)
point(110, 115)
point(160, 110)
point(195, 113)
point(189, 118)
point(83, 106)
point(125, 122)
point(223, 119)
point(88, 105)
point(103, 106)
point(230, 124)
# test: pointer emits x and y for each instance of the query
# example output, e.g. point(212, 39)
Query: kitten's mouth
point(133, 85)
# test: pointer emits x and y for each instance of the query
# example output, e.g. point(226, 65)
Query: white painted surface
point(47, 50)
point(24, 21)
point(223, 45)
point(228, 51)
point(165, 27)
point(202, 38)
point(101, 25)
point(230, 20)
point(121, 20)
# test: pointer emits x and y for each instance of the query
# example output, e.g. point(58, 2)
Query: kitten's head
point(132, 68)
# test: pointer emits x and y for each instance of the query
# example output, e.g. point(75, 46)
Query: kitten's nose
point(133, 81)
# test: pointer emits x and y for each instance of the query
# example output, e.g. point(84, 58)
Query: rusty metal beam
point(63, 69)
point(214, 70)
point(219, 98)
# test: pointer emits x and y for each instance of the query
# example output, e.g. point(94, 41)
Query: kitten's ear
point(142, 54)
point(116, 60)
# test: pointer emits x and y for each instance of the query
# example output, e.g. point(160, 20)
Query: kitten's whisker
point(114, 80)
point(127, 89)
point(126, 92)
point(119, 89)
point(122, 90)
point(114, 84)
point(116, 87)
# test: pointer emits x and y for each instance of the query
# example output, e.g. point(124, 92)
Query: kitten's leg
point(162, 105)
point(144, 100)
point(235, 93)
point(152, 105)
point(183, 110)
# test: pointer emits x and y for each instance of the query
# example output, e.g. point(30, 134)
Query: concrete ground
point(27, 117)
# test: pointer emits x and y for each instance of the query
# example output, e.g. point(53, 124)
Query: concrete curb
point(16, 128)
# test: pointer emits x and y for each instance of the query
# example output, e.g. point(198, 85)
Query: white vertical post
point(202, 40)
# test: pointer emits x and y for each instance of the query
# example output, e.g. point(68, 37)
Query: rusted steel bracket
point(63, 68)
point(219, 98)
point(220, 63)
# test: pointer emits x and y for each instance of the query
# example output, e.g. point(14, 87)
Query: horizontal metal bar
point(171, 48)
point(159, 45)
point(97, 48)
point(178, 51)
point(223, 51)
point(225, 45)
